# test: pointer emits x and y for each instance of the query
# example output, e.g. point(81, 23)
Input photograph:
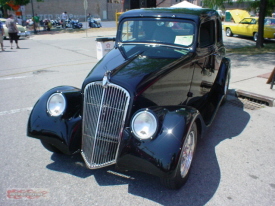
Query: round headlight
point(56, 104)
point(144, 125)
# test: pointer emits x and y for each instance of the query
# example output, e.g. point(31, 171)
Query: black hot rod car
point(147, 102)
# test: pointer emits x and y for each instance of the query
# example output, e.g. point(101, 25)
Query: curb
point(269, 101)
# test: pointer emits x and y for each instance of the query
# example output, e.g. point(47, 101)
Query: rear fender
point(221, 78)
point(64, 131)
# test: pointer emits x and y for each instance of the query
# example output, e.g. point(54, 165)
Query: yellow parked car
point(22, 30)
point(248, 26)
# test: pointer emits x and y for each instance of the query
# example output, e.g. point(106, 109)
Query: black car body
point(146, 103)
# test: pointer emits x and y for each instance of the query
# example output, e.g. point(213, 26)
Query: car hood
point(136, 67)
point(238, 14)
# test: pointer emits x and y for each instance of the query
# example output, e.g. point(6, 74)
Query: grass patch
point(252, 50)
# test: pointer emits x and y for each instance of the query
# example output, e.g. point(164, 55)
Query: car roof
point(195, 14)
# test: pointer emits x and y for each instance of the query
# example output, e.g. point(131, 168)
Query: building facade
point(106, 9)
point(52, 9)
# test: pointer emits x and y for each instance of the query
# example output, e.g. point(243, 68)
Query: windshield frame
point(120, 41)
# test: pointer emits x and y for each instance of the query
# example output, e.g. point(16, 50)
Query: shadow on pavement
point(205, 174)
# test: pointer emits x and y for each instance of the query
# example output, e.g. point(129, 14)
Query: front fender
point(64, 131)
point(158, 156)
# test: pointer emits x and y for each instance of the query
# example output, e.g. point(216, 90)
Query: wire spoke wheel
point(185, 161)
point(188, 153)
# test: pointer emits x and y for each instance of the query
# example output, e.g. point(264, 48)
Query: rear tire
point(226, 86)
point(185, 161)
point(50, 147)
point(228, 32)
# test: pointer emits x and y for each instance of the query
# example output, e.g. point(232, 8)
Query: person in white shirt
point(64, 17)
point(19, 20)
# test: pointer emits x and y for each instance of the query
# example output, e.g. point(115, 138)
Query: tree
point(17, 2)
point(4, 6)
point(265, 7)
point(260, 39)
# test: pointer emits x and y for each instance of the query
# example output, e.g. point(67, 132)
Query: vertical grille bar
point(104, 114)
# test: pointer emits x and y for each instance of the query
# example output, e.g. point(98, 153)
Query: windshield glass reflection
point(173, 32)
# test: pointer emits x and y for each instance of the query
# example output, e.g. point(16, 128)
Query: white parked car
point(22, 30)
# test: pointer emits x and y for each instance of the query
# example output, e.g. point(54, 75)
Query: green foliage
point(21, 2)
point(269, 6)
point(214, 4)
point(17, 2)
point(2, 2)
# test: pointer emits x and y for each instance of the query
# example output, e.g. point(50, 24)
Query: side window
point(132, 31)
point(253, 21)
point(207, 33)
point(127, 31)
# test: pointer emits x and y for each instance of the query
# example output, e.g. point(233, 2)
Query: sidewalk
point(251, 72)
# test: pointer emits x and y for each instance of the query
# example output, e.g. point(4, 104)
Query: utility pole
point(34, 29)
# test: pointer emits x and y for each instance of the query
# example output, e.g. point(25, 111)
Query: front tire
point(255, 36)
point(185, 161)
point(229, 32)
point(50, 147)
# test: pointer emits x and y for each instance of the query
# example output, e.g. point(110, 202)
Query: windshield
point(269, 22)
point(164, 31)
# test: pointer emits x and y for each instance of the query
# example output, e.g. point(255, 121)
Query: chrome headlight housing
point(144, 124)
point(56, 104)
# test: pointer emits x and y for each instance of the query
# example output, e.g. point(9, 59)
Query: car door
point(252, 27)
point(242, 26)
point(209, 55)
point(247, 27)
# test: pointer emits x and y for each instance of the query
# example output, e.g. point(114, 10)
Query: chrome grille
point(104, 114)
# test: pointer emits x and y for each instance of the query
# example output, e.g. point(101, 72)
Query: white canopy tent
point(185, 4)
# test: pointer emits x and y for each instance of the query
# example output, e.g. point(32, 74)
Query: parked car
point(248, 26)
point(22, 30)
point(148, 101)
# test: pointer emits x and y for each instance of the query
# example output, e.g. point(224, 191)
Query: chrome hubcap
point(228, 32)
point(187, 153)
point(255, 37)
point(226, 86)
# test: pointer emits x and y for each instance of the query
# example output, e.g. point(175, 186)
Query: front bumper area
point(24, 34)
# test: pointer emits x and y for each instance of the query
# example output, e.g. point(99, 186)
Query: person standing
point(36, 20)
point(19, 20)
point(64, 17)
point(12, 30)
point(1, 35)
